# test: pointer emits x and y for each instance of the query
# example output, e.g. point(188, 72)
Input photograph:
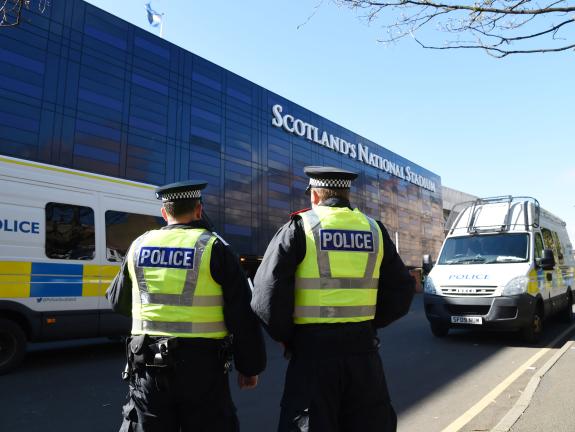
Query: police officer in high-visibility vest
point(329, 278)
point(190, 306)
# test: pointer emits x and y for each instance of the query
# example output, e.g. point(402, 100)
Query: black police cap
point(329, 177)
point(189, 189)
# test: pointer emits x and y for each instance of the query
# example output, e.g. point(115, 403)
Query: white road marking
point(467, 416)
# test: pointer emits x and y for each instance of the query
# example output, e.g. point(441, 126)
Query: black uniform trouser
point(192, 394)
point(335, 383)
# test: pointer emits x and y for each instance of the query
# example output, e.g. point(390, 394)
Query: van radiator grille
point(468, 291)
point(468, 309)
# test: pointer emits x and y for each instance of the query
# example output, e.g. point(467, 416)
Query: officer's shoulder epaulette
point(225, 243)
point(297, 213)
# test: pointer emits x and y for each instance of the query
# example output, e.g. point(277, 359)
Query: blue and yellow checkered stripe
point(40, 279)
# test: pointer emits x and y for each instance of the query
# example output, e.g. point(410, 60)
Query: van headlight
point(429, 286)
point(517, 285)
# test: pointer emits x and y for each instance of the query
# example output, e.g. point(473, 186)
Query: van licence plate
point(477, 320)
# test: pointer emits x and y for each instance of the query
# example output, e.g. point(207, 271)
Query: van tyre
point(439, 329)
point(533, 331)
point(12, 345)
point(566, 314)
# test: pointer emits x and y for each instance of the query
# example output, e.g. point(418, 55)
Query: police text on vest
point(178, 258)
point(346, 240)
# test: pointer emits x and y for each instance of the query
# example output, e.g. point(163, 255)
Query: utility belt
point(145, 352)
point(334, 339)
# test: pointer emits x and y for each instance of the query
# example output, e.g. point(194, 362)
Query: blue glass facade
point(84, 89)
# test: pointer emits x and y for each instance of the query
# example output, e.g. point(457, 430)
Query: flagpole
point(162, 27)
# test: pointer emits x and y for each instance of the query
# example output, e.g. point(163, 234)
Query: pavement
point(547, 403)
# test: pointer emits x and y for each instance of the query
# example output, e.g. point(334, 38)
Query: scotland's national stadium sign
point(355, 151)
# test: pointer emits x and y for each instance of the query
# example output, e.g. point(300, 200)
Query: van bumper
point(498, 313)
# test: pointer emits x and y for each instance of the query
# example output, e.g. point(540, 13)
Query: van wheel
point(532, 333)
point(439, 330)
point(12, 345)
point(566, 315)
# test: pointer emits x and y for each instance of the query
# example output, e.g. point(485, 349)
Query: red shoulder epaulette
point(295, 213)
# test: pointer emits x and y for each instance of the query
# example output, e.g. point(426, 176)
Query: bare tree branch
point(499, 27)
point(10, 10)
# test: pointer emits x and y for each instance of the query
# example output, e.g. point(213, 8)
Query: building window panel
point(102, 68)
point(98, 130)
point(147, 125)
point(206, 159)
point(210, 106)
point(22, 61)
point(157, 167)
point(240, 230)
point(242, 145)
point(101, 100)
point(101, 82)
point(96, 153)
point(19, 122)
point(105, 37)
point(206, 115)
point(242, 178)
point(238, 153)
point(18, 86)
point(147, 142)
point(150, 84)
point(142, 112)
point(148, 45)
point(144, 176)
point(204, 124)
point(145, 153)
point(239, 95)
point(203, 79)
point(279, 204)
point(204, 133)
point(203, 92)
point(239, 168)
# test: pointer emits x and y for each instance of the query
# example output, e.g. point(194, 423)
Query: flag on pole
point(154, 18)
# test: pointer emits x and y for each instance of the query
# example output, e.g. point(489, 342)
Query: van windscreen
point(485, 249)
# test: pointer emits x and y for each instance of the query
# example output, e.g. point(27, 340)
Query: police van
point(505, 264)
point(63, 235)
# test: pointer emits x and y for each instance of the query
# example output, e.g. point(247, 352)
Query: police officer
point(190, 306)
point(329, 278)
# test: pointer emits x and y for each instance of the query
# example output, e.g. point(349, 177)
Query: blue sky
point(486, 126)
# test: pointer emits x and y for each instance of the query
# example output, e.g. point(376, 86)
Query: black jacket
point(274, 296)
point(248, 343)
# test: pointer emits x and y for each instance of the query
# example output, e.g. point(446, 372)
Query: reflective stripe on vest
point(175, 297)
point(348, 291)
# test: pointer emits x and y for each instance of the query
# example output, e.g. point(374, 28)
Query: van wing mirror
point(427, 264)
point(547, 261)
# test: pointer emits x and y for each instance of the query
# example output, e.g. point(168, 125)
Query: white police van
point(63, 235)
point(505, 264)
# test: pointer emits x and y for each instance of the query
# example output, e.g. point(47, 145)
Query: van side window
point(558, 248)
point(538, 246)
point(548, 239)
point(70, 232)
point(123, 228)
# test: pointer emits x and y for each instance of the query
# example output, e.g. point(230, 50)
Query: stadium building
point(84, 89)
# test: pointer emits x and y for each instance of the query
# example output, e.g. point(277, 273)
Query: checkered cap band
point(330, 183)
point(182, 195)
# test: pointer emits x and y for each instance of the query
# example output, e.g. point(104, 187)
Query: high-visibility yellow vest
point(173, 292)
point(337, 280)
